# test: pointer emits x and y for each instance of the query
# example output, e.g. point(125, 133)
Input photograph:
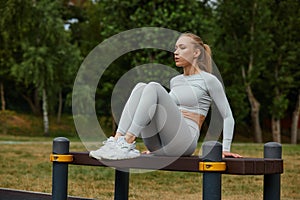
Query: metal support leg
point(121, 184)
point(212, 151)
point(272, 181)
point(60, 170)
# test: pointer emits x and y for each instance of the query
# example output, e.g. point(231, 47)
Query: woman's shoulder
point(211, 79)
point(208, 76)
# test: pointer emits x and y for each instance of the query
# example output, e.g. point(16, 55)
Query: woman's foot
point(108, 145)
point(122, 150)
point(116, 150)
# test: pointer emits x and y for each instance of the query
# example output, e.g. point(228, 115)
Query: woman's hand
point(146, 152)
point(229, 154)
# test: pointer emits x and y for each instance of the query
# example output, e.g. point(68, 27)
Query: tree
point(4, 69)
point(295, 120)
point(245, 44)
point(283, 65)
point(36, 30)
point(65, 72)
point(7, 11)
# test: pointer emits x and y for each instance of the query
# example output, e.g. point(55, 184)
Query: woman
point(170, 123)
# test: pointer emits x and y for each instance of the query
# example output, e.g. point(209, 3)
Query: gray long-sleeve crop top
point(195, 93)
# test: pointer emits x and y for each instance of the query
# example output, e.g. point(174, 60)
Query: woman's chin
point(178, 65)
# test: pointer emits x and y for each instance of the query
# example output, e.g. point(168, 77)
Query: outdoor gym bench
point(212, 165)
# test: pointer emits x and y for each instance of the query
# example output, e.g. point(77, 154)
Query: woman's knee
point(139, 85)
point(155, 85)
point(158, 88)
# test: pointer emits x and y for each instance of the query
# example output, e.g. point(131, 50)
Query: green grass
point(26, 166)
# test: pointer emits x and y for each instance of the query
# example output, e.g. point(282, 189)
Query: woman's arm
point(218, 96)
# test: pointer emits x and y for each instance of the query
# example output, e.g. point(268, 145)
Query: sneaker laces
point(124, 145)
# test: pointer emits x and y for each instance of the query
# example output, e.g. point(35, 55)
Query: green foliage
point(38, 46)
point(273, 45)
point(36, 52)
point(282, 65)
point(241, 38)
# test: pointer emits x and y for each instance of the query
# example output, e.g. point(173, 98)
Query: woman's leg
point(151, 110)
point(162, 125)
point(130, 109)
point(124, 123)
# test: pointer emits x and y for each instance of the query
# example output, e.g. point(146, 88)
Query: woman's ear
point(197, 53)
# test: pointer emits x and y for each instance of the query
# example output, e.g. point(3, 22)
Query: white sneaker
point(108, 145)
point(122, 150)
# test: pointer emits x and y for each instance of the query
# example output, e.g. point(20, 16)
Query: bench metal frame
point(212, 165)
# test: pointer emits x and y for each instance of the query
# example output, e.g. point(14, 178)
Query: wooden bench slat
point(238, 166)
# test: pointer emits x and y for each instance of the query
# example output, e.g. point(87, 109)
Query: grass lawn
point(25, 165)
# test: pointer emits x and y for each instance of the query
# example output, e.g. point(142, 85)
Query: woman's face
point(185, 54)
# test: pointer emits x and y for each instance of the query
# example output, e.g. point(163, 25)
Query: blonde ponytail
point(207, 59)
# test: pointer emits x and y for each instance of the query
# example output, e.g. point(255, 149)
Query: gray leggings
point(152, 114)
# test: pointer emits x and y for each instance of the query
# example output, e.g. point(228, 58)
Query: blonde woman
point(170, 123)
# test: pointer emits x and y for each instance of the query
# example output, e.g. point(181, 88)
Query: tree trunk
point(59, 107)
point(35, 103)
point(3, 104)
point(255, 105)
point(276, 129)
point(295, 121)
point(45, 114)
point(34, 110)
